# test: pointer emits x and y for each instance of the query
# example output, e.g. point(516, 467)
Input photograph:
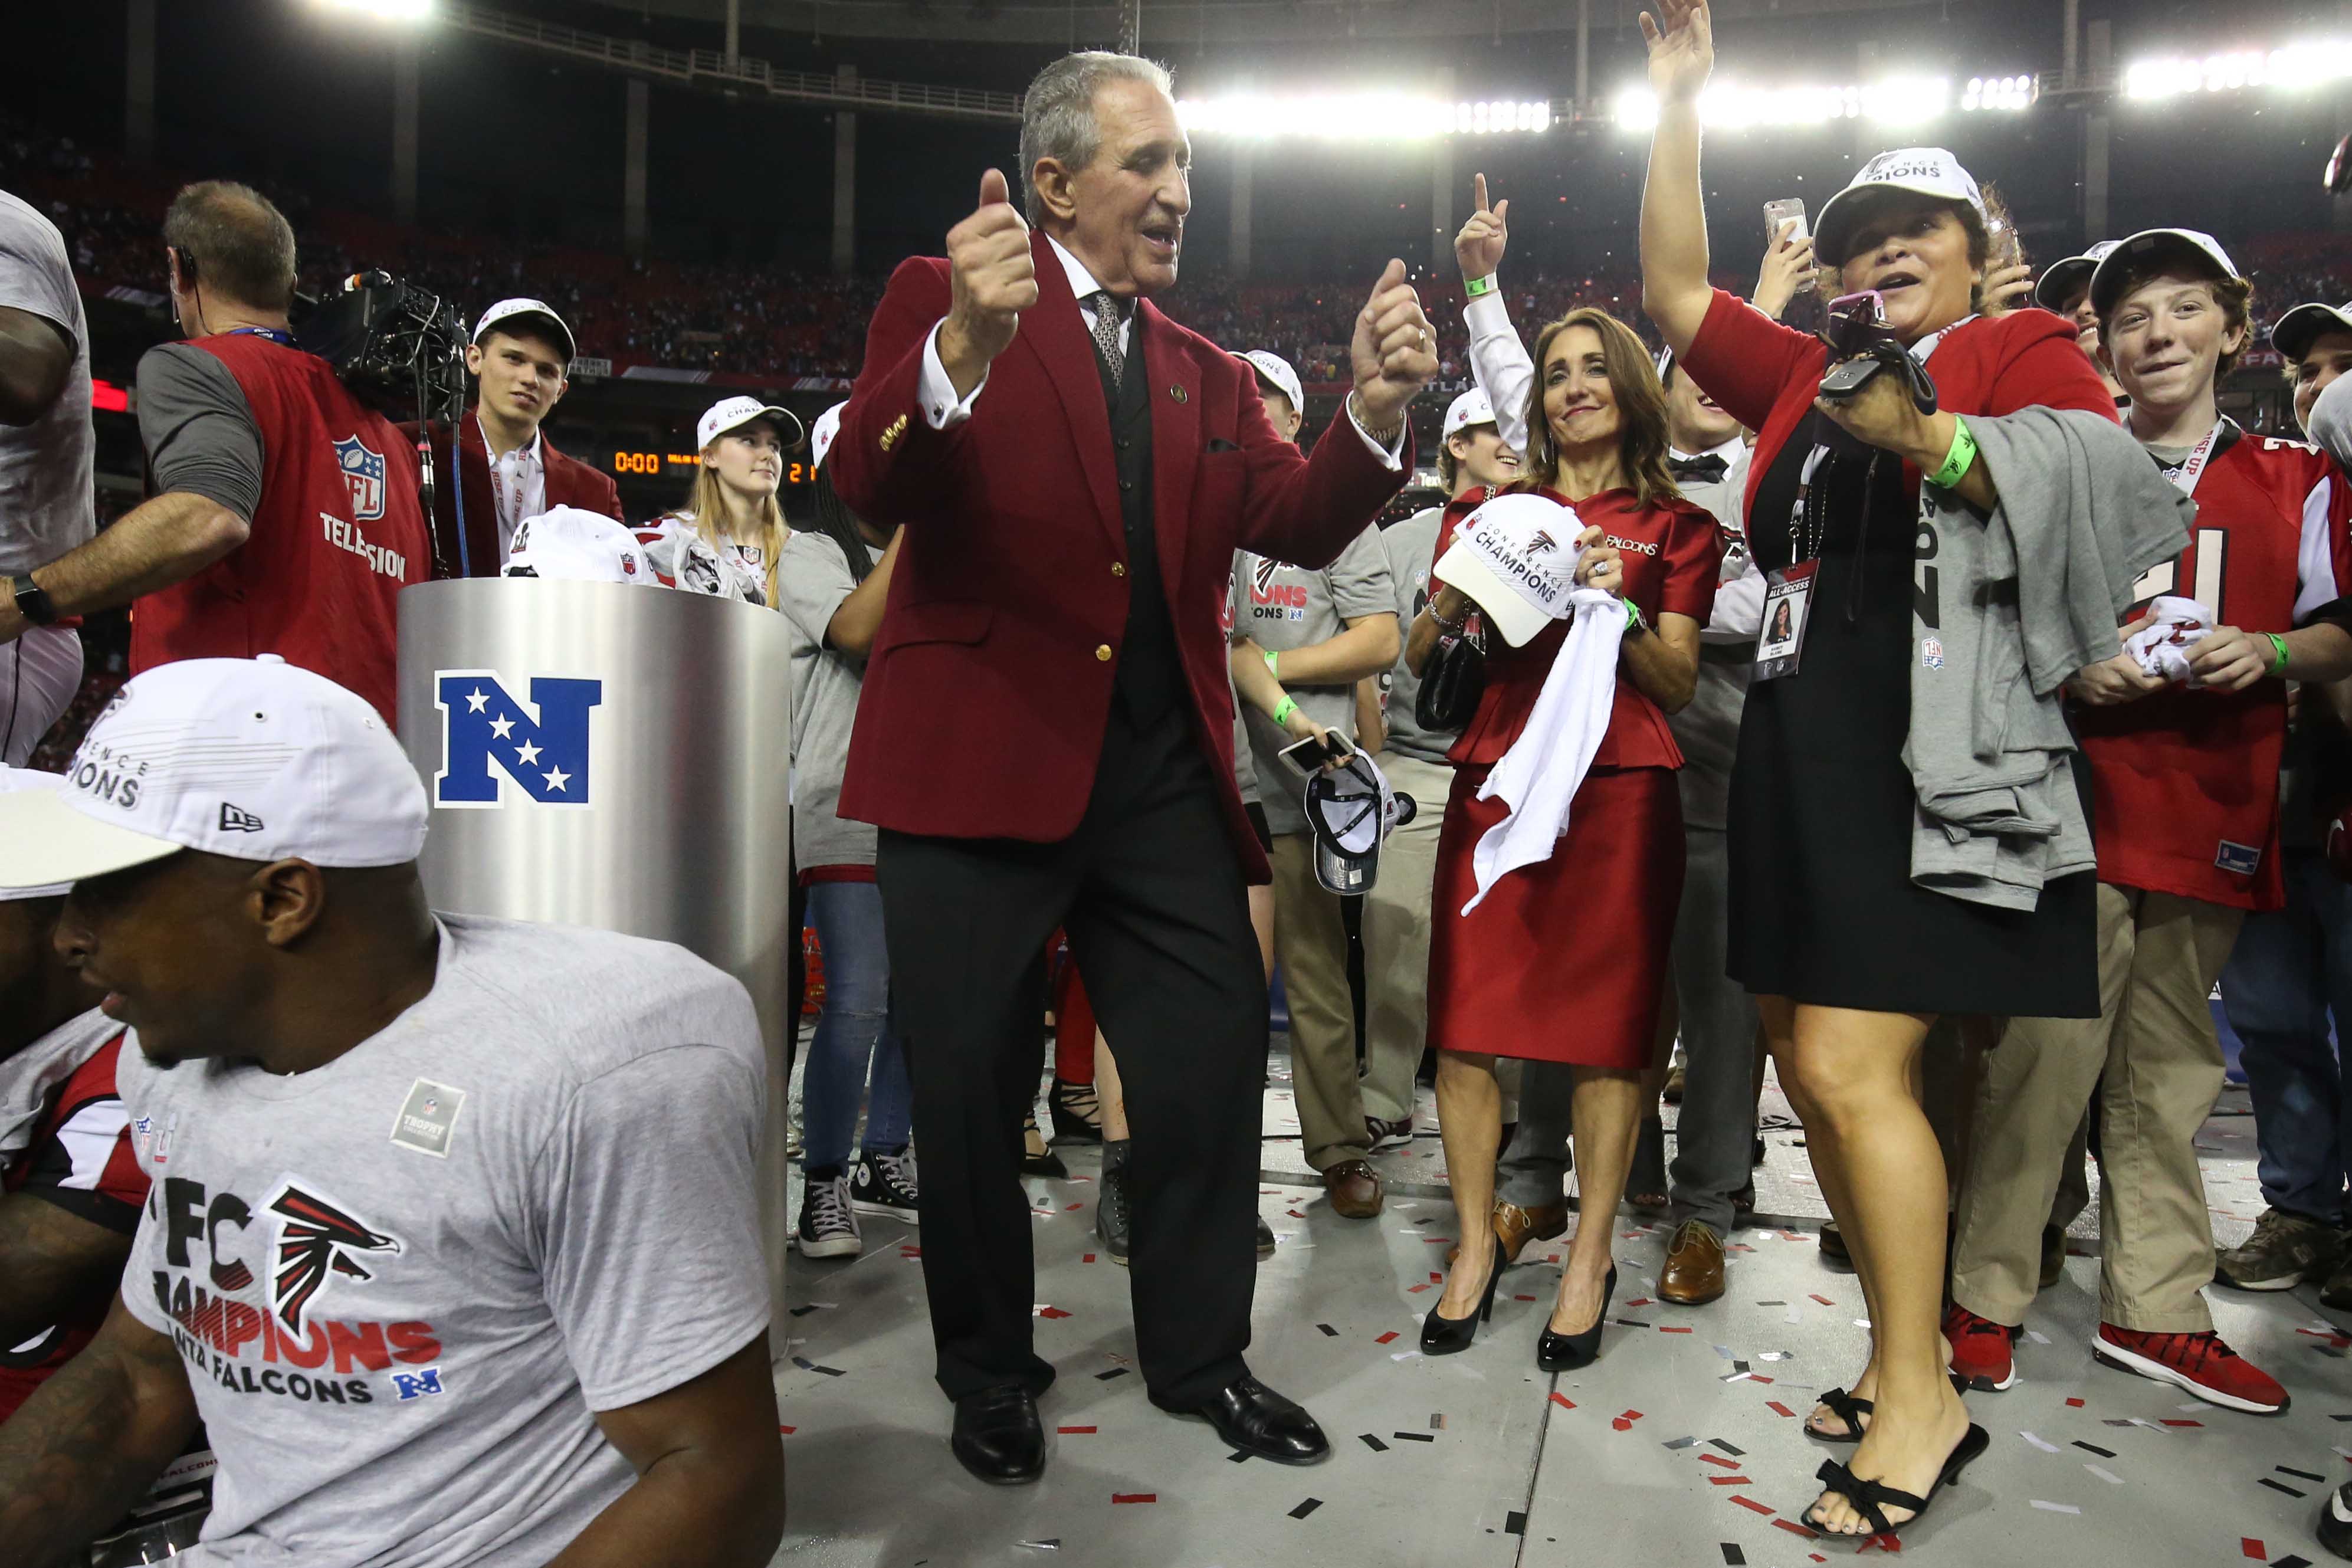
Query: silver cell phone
point(1780, 212)
point(1311, 754)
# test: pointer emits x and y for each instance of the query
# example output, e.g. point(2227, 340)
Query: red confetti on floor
point(2170, 1423)
point(1076, 1431)
point(1664, 1330)
point(1052, 1312)
point(2254, 1549)
point(1757, 1377)
point(1437, 1240)
point(1753, 1506)
point(1523, 1298)
point(2075, 1403)
point(1417, 1290)
point(787, 1431)
point(1775, 1404)
point(1639, 1301)
point(1089, 1258)
point(1135, 1497)
point(1730, 1480)
point(1824, 1300)
point(1719, 1459)
point(1563, 1401)
point(1386, 1337)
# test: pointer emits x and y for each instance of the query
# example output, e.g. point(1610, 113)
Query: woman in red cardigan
point(1565, 960)
point(1849, 960)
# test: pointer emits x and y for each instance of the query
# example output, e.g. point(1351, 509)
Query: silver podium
point(614, 756)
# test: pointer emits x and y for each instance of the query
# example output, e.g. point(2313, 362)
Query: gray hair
point(1057, 112)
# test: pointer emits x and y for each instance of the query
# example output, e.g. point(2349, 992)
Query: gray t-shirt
point(812, 580)
point(1411, 547)
point(401, 1282)
point(199, 432)
point(1282, 607)
point(47, 502)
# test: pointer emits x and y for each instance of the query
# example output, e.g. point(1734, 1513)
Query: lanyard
point(1925, 346)
point(278, 335)
point(1809, 522)
point(508, 505)
point(2193, 468)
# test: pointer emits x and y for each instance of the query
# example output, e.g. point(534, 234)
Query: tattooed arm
point(54, 1263)
point(78, 1453)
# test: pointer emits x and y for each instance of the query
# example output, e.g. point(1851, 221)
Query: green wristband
point(1960, 459)
point(1633, 621)
point(1283, 709)
point(1270, 666)
point(2278, 653)
point(1474, 287)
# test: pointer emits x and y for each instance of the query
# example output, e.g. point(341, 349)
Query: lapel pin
point(1176, 393)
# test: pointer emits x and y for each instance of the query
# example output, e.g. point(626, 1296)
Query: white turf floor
point(1680, 1447)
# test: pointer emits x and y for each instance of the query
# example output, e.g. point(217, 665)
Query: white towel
point(2179, 627)
point(1543, 771)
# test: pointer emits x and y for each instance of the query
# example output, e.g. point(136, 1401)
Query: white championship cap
point(508, 309)
point(1515, 557)
point(734, 413)
point(254, 759)
point(2201, 248)
point(2061, 280)
point(1275, 372)
point(1349, 810)
point(1470, 408)
point(2304, 325)
point(821, 434)
point(579, 546)
point(13, 779)
point(1928, 171)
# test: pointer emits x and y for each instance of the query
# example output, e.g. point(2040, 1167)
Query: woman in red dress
point(1565, 961)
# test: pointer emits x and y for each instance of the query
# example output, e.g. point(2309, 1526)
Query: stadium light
point(1357, 117)
point(391, 10)
point(2294, 66)
point(2003, 92)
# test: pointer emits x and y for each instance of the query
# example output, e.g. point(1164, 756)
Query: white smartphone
point(1778, 213)
point(1309, 755)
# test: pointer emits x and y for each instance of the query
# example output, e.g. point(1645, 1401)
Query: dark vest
point(1150, 677)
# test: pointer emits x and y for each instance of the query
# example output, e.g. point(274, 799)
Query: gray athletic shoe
point(2284, 1250)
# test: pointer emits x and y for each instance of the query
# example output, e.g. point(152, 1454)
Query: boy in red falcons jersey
point(2185, 774)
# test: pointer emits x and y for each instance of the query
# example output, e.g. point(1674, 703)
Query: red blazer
point(570, 482)
point(990, 682)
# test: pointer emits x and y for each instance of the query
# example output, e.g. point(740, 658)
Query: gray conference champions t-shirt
point(812, 580)
point(401, 1282)
point(47, 501)
point(1284, 607)
point(1411, 547)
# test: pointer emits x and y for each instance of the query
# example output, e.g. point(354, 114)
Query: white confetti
point(2107, 1476)
point(2055, 1507)
point(2037, 1336)
point(2045, 1447)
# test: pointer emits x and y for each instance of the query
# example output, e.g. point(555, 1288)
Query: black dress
point(1823, 910)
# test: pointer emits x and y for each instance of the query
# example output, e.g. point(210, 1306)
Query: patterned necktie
point(1106, 324)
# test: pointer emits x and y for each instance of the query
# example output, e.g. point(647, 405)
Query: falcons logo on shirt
point(1262, 574)
point(315, 1238)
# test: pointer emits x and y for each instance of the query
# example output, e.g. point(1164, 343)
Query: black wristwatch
point(31, 601)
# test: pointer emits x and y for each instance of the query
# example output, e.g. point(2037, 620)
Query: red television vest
point(339, 533)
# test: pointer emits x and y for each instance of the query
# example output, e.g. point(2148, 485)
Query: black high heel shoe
point(1566, 1352)
point(1445, 1336)
point(1870, 1498)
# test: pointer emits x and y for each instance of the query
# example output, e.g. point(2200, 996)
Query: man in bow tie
point(1045, 736)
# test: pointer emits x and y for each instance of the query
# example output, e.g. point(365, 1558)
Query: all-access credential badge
point(428, 1117)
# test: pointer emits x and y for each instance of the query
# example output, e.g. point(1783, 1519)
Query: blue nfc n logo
point(490, 742)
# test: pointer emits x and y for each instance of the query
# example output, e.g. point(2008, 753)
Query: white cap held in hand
point(1515, 557)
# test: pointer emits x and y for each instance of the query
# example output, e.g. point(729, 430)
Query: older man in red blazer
point(1045, 731)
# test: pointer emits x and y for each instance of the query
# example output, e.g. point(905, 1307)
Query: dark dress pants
point(1152, 893)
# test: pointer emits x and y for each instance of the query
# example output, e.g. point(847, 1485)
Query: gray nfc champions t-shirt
point(47, 502)
point(812, 580)
point(1282, 607)
point(400, 1283)
point(1412, 548)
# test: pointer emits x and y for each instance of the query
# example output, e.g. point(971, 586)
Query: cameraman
point(522, 355)
point(286, 518)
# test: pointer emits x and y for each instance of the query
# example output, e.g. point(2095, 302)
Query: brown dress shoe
point(1693, 1272)
point(1516, 1226)
point(1355, 1190)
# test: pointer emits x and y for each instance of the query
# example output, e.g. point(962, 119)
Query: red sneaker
point(1980, 1352)
point(2202, 1363)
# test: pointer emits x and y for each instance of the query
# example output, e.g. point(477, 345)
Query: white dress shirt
point(518, 485)
point(945, 410)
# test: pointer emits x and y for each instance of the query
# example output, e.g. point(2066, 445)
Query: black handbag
point(1452, 684)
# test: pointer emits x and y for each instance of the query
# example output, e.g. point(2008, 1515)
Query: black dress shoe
point(1255, 1419)
point(998, 1437)
point(1566, 1352)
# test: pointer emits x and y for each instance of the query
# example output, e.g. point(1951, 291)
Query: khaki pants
point(2154, 1039)
point(1396, 938)
point(1310, 943)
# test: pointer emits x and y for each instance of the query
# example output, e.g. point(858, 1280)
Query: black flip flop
point(1871, 1497)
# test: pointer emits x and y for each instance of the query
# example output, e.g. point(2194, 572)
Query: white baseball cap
point(13, 779)
point(579, 546)
point(1349, 810)
point(734, 413)
point(1470, 408)
point(2304, 325)
point(508, 309)
point(1277, 373)
point(250, 758)
point(1928, 171)
point(2061, 281)
point(1515, 557)
point(821, 434)
point(2107, 277)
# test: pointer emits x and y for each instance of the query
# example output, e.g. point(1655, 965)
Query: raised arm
point(91, 1439)
point(1675, 289)
point(1498, 358)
